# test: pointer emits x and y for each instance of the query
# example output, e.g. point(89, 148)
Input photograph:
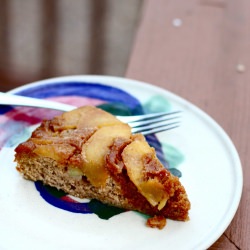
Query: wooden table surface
point(200, 51)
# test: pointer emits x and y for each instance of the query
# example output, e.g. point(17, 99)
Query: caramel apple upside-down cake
point(89, 153)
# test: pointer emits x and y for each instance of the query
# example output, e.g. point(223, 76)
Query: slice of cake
point(89, 153)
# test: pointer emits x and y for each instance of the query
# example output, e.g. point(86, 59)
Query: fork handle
point(17, 100)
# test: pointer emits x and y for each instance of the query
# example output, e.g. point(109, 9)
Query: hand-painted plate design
point(39, 217)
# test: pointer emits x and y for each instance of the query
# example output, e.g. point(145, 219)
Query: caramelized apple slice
point(84, 117)
point(57, 152)
point(150, 187)
point(96, 148)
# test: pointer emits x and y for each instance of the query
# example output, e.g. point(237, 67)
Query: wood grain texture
point(43, 39)
point(199, 49)
point(223, 243)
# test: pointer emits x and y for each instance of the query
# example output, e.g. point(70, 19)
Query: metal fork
point(145, 124)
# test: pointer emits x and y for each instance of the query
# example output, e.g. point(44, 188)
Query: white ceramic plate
point(199, 149)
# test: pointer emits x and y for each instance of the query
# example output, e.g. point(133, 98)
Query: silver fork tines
point(152, 129)
point(152, 123)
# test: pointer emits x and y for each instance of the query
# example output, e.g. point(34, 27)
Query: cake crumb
point(157, 222)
